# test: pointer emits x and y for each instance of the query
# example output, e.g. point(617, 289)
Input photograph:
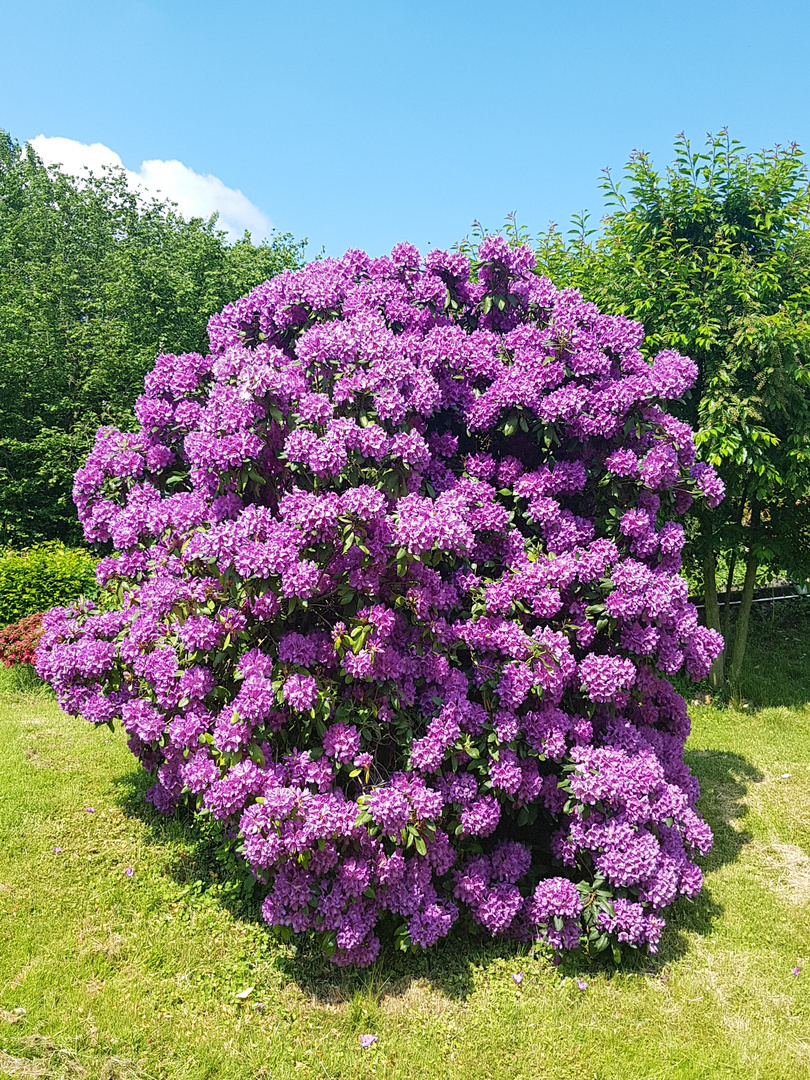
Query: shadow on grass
point(450, 966)
point(193, 844)
point(776, 671)
point(196, 858)
point(724, 781)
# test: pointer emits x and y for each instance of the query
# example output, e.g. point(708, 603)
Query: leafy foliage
point(93, 283)
point(714, 258)
point(42, 576)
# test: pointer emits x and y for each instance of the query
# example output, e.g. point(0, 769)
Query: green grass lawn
point(106, 974)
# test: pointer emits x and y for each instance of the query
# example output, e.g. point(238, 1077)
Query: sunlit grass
point(139, 975)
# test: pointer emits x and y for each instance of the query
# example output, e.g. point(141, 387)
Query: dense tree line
point(94, 283)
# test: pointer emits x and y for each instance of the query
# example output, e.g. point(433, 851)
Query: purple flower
point(300, 692)
point(367, 1041)
point(605, 676)
point(431, 923)
point(427, 753)
point(556, 898)
point(481, 817)
point(342, 742)
point(391, 810)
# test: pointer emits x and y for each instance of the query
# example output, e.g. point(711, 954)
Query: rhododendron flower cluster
point(394, 592)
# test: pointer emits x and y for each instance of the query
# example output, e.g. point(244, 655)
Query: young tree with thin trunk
point(713, 256)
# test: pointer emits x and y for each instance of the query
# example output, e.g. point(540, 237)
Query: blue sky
point(360, 124)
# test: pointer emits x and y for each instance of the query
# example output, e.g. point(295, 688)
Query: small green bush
point(21, 679)
point(42, 577)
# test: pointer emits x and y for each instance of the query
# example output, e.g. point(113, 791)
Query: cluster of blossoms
point(19, 640)
point(394, 592)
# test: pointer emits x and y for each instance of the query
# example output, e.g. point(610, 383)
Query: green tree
point(94, 282)
point(713, 257)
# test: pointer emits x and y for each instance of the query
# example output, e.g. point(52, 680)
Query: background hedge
point(41, 577)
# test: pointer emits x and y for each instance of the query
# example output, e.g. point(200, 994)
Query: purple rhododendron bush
point(394, 594)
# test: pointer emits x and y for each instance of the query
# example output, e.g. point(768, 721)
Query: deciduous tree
point(713, 256)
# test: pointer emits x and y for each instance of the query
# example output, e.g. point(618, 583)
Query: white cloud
point(196, 194)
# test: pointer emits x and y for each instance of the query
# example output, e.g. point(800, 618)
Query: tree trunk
point(727, 602)
point(731, 568)
point(741, 629)
point(716, 675)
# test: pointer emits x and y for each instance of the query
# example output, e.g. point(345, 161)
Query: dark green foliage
point(714, 258)
point(93, 284)
point(43, 577)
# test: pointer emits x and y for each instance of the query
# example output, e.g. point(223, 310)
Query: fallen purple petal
point(796, 970)
point(518, 977)
point(90, 809)
point(57, 851)
point(582, 984)
point(367, 1041)
point(129, 871)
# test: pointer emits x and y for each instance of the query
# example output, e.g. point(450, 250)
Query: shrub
point(43, 576)
point(397, 581)
point(19, 640)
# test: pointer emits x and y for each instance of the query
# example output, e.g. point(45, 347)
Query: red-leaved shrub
point(19, 640)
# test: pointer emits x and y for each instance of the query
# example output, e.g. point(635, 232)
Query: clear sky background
point(359, 124)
